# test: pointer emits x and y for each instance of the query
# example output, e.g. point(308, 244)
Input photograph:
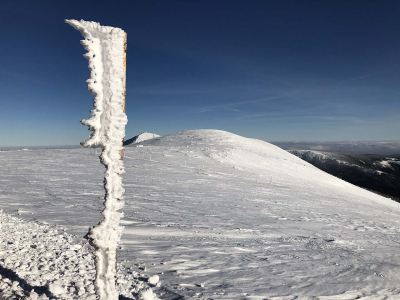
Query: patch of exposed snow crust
point(40, 261)
point(106, 56)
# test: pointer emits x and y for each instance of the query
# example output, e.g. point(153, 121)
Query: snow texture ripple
point(106, 56)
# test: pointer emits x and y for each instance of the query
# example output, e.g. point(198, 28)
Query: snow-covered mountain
point(215, 216)
point(390, 148)
point(141, 138)
point(374, 172)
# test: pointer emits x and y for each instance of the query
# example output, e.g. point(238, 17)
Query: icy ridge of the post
point(106, 53)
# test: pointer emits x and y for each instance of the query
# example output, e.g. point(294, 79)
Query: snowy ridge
point(252, 154)
point(39, 261)
point(388, 163)
point(106, 56)
point(141, 138)
point(311, 154)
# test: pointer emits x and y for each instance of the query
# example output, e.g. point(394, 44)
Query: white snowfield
point(214, 215)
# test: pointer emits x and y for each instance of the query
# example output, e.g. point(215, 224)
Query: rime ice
point(106, 56)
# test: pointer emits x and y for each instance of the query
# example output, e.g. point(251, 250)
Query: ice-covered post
point(107, 64)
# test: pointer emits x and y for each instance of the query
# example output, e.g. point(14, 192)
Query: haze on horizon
point(275, 71)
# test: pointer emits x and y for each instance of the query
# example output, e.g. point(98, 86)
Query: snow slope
point(219, 216)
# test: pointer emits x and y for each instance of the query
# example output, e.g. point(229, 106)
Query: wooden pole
point(122, 150)
point(124, 84)
point(105, 237)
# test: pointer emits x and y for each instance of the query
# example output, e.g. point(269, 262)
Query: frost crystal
point(107, 60)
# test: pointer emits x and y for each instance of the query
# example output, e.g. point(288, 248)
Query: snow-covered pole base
point(107, 62)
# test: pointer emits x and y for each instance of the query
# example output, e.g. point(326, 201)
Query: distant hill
point(378, 173)
point(140, 138)
point(389, 148)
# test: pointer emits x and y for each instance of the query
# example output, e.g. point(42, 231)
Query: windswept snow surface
point(219, 216)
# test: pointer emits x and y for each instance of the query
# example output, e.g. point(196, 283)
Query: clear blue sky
point(273, 70)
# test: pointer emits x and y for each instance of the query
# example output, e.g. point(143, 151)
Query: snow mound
point(218, 144)
point(141, 138)
point(40, 261)
point(252, 155)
